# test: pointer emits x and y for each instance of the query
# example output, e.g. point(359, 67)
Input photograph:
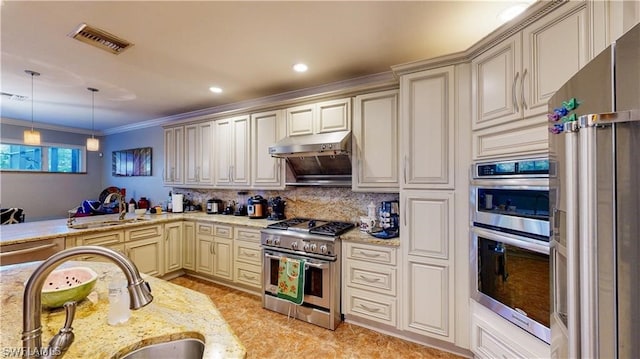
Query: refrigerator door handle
point(607, 118)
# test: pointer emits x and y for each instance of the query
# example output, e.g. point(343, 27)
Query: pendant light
point(93, 144)
point(32, 137)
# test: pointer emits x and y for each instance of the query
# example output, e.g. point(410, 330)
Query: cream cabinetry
point(427, 128)
point(320, 117)
point(232, 151)
point(267, 128)
point(512, 81)
point(173, 155)
point(375, 142)
point(370, 285)
point(204, 248)
point(144, 246)
point(198, 169)
point(173, 245)
point(428, 286)
point(247, 258)
point(31, 251)
point(111, 239)
point(223, 251)
point(189, 245)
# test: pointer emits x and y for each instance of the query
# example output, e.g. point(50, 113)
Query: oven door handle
point(512, 239)
point(306, 263)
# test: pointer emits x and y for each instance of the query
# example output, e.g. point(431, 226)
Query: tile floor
point(266, 334)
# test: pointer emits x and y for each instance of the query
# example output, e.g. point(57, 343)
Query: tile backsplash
point(334, 203)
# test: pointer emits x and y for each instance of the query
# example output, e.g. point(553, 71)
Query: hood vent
point(316, 160)
point(100, 39)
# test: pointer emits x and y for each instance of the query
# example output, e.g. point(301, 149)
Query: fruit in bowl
point(68, 284)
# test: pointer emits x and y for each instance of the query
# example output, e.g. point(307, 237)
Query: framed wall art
point(133, 162)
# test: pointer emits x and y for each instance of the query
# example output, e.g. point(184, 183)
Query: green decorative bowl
point(69, 284)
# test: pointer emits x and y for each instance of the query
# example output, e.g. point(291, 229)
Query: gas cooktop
point(312, 226)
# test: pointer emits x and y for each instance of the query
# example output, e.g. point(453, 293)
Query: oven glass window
point(312, 280)
point(520, 203)
point(515, 277)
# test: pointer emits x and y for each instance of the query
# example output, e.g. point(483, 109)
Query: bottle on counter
point(170, 203)
point(132, 205)
point(143, 203)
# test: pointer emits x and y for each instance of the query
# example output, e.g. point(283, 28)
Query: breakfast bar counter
point(175, 313)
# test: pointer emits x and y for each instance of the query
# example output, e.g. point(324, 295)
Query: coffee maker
point(276, 207)
point(389, 220)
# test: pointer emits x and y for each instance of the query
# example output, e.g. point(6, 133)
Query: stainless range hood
point(316, 160)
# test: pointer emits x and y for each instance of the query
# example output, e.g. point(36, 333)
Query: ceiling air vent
point(14, 97)
point(100, 39)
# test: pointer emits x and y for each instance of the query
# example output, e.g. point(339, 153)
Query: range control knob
point(306, 247)
point(323, 248)
point(276, 242)
point(313, 247)
point(294, 245)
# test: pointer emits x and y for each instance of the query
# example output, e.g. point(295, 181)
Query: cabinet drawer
point(247, 252)
point(204, 228)
point(247, 234)
point(376, 254)
point(373, 277)
point(30, 251)
point(101, 239)
point(248, 274)
point(491, 347)
point(143, 233)
point(371, 306)
point(222, 231)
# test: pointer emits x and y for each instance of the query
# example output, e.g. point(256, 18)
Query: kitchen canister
point(177, 203)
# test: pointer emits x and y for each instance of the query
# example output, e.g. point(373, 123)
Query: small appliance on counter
point(228, 210)
point(257, 207)
point(214, 206)
point(177, 202)
point(276, 205)
point(241, 207)
point(389, 221)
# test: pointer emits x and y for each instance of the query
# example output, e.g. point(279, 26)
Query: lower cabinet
point(189, 245)
point(204, 248)
point(247, 258)
point(173, 238)
point(370, 285)
point(223, 251)
point(145, 247)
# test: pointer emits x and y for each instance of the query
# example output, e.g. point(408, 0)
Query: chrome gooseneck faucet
point(139, 293)
point(122, 205)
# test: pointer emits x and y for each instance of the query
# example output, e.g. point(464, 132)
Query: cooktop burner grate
point(313, 226)
point(332, 228)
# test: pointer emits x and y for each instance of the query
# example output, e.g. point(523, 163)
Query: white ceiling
point(182, 48)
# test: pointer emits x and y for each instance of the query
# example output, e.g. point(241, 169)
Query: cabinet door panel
point(222, 145)
point(428, 119)
point(300, 120)
point(189, 246)
point(545, 42)
point(173, 247)
point(191, 154)
point(267, 129)
point(204, 255)
point(173, 155)
point(430, 229)
point(333, 115)
point(528, 136)
point(240, 151)
point(147, 255)
point(223, 258)
point(495, 77)
point(205, 149)
point(430, 295)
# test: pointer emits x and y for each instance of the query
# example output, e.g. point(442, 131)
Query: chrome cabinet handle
point(374, 255)
point(513, 92)
point(370, 280)
point(523, 101)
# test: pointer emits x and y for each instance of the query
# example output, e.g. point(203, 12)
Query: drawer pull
point(248, 254)
point(370, 255)
point(373, 310)
point(252, 277)
point(370, 280)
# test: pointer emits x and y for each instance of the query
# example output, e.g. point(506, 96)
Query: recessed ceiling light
point(300, 67)
point(513, 11)
point(215, 89)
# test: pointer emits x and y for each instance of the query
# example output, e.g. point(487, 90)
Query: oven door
point(517, 206)
point(513, 278)
point(317, 281)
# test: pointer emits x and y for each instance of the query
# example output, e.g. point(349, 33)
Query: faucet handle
point(62, 341)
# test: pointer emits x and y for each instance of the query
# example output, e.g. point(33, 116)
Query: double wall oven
point(317, 243)
point(510, 236)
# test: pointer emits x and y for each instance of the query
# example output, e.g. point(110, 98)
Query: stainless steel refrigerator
point(594, 202)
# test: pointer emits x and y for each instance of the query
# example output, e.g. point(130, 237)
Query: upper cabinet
point(516, 78)
point(320, 117)
point(267, 128)
point(427, 128)
point(198, 169)
point(232, 151)
point(173, 155)
point(375, 142)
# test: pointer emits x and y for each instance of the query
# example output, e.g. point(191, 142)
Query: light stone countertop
point(175, 313)
point(31, 231)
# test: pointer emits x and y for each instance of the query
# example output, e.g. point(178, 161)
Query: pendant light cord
point(32, 73)
point(93, 107)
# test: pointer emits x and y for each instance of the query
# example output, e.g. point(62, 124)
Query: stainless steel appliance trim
point(537, 329)
point(307, 263)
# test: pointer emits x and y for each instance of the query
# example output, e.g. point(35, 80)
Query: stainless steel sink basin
point(181, 348)
point(99, 224)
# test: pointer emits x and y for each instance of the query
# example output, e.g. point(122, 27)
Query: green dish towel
point(291, 280)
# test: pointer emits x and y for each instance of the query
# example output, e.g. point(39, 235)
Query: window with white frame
point(43, 158)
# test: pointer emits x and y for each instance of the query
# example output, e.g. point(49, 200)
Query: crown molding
point(46, 126)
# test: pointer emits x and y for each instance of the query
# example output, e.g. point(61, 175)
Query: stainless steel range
point(317, 242)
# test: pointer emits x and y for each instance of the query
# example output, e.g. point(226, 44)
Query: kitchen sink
point(99, 224)
point(182, 348)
